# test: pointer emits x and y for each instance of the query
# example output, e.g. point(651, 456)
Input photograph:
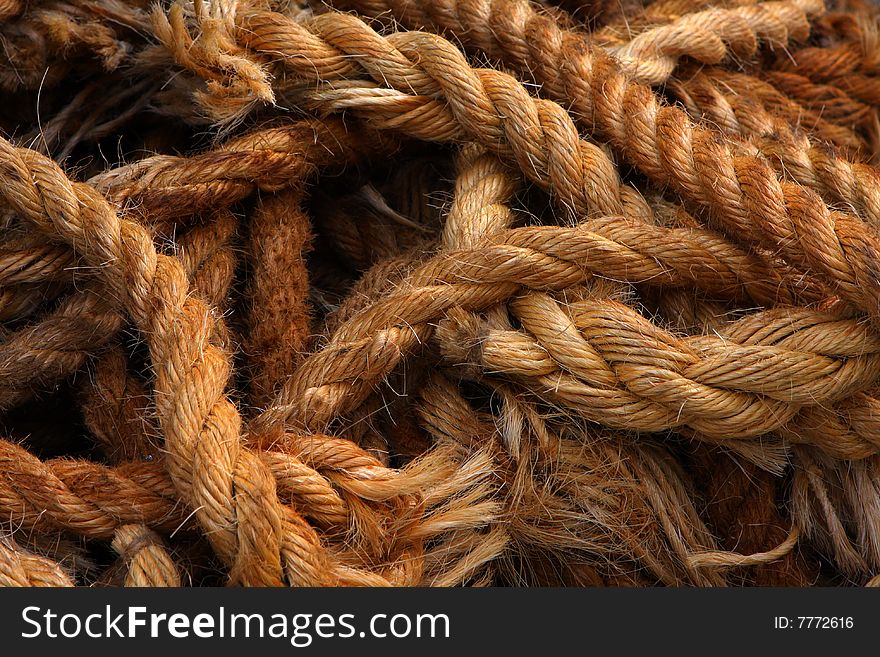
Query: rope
point(459, 293)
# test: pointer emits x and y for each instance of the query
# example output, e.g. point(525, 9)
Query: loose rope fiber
point(454, 293)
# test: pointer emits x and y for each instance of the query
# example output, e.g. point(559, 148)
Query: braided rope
point(162, 187)
point(316, 474)
point(115, 401)
point(372, 342)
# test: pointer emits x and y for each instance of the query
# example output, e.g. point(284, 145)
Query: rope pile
point(461, 292)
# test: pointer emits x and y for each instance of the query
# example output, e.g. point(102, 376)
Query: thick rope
point(20, 568)
point(610, 365)
point(746, 197)
point(713, 35)
point(265, 544)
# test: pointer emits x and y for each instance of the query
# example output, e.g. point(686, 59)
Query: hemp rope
point(642, 17)
point(280, 544)
point(580, 360)
point(115, 402)
point(516, 355)
point(335, 378)
point(738, 104)
point(19, 568)
point(208, 180)
point(834, 103)
point(745, 195)
point(483, 187)
point(147, 562)
point(839, 181)
point(278, 325)
point(95, 501)
point(166, 187)
point(713, 35)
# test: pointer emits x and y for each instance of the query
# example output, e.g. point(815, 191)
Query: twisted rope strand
point(268, 159)
point(488, 106)
point(737, 103)
point(745, 195)
point(147, 562)
point(21, 568)
point(713, 35)
point(37, 356)
point(371, 343)
point(839, 181)
point(95, 500)
point(612, 366)
point(201, 427)
point(115, 401)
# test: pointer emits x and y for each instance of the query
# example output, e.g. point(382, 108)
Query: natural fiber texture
point(746, 197)
point(746, 106)
point(454, 293)
point(18, 568)
point(279, 320)
point(838, 180)
point(713, 35)
point(146, 560)
point(578, 359)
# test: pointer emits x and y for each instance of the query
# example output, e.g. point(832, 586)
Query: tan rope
point(153, 290)
point(711, 36)
point(147, 561)
point(291, 296)
point(657, 381)
point(746, 196)
point(19, 568)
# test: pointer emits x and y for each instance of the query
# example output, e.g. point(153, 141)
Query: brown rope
point(115, 402)
point(153, 290)
point(745, 106)
point(745, 195)
point(333, 380)
point(147, 562)
point(657, 381)
point(279, 320)
point(61, 342)
point(566, 334)
point(711, 36)
point(19, 568)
